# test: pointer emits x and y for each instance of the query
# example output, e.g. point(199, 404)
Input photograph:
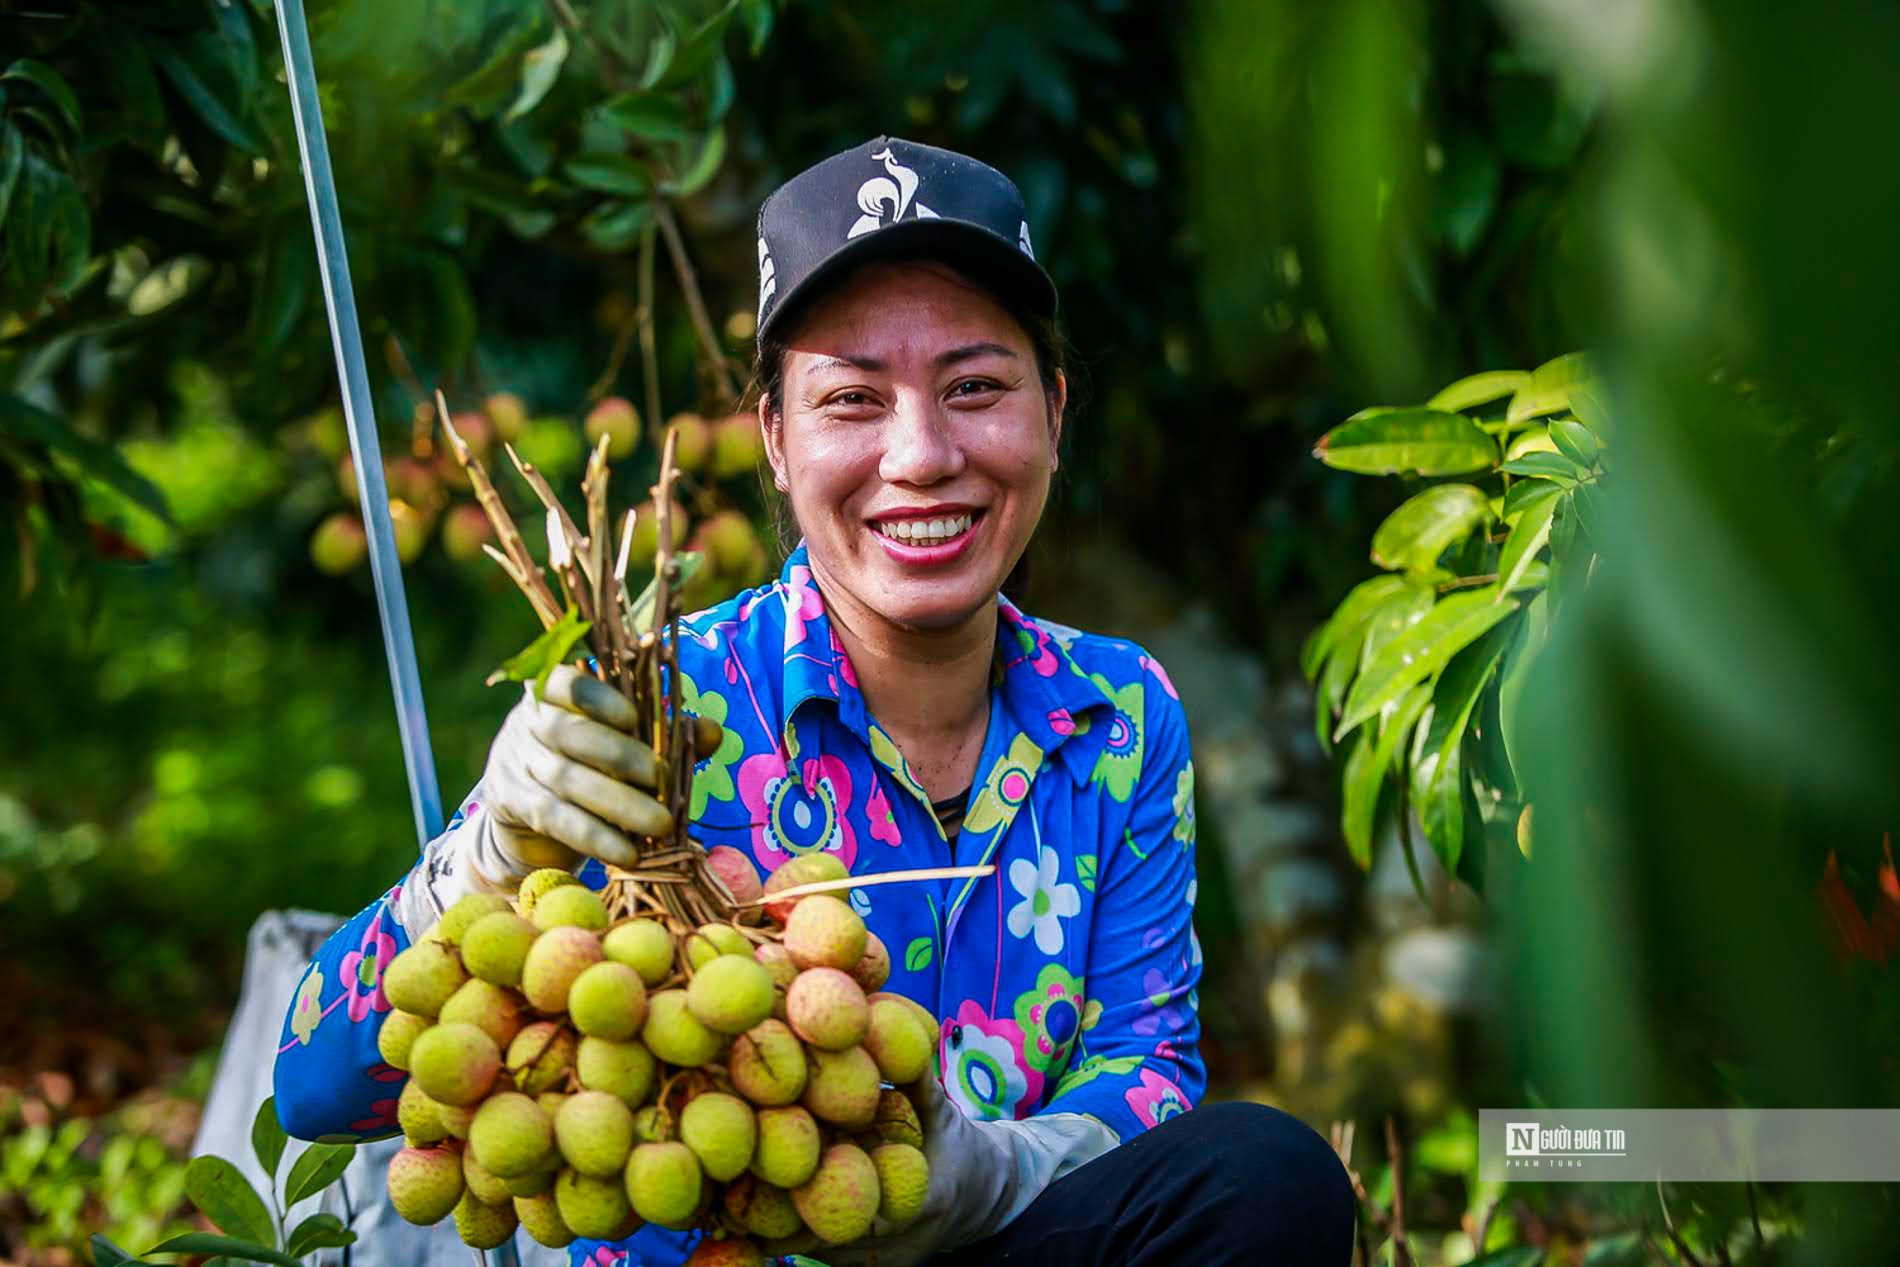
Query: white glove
point(982, 1175)
point(563, 782)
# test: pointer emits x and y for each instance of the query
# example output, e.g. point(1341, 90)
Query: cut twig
point(649, 355)
point(1401, 1252)
point(696, 304)
point(869, 881)
point(526, 572)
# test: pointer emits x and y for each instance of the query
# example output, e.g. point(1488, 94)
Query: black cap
point(890, 198)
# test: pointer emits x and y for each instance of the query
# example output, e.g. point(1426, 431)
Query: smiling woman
point(884, 702)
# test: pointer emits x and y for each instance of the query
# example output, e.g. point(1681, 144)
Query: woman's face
point(916, 442)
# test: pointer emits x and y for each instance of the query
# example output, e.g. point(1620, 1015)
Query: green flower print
point(1093, 1068)
point(712, 776)
point(1119, 767)
point(1050, 1016)
point(1184, 804)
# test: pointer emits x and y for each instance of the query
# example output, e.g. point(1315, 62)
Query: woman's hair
point(768, 382)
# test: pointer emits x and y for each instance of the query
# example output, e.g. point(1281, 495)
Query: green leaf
point(688, 566)
point(1545, 466)
point(1587, 404)
point(1456, 694)
point(918, 954)
point(1478, 389)
point(1398, 441)
point(1350, 615)
point(224, 1196)
point(315, 1169)
point(1527, 493)
point(696, 51)
point(1365, 772)
point(615, 226)
point(230, 1247)
point(1422, 650)
point(653, 116)
point(757, 16)
point(1413, 536)
point(540, 70)
point(1518, 658)
point(537, 660)
point(268, 1138)
point(22, 421)
point(12, 158)
point(1436, 795)
point(1393, 617)
point(1575, 442)
point(1548, 391)
point(197, 87)
point(1530, 534)
point(703, 168)
point(48, 81)
point(106, 1254)
point(319, 1231)
point(610, 174)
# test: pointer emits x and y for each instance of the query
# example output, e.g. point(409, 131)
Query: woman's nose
point(920, 445)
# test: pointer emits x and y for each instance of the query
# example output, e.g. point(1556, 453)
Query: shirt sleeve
point(1140, 1061)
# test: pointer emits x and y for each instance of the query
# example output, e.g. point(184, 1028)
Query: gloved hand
point(982, 1175)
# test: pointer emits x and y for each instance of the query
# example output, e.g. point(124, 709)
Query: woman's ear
point(1058, 406)
point(771, 429)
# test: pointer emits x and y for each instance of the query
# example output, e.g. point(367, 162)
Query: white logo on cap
point(892, 193)
point(1022, 240)
point(768, 277)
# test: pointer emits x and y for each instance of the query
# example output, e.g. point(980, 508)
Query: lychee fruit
point(735, 870)
point(736, 446)
point(731, 1251)
point(728, 536)
point(720, 1131)
point(459, 918)
point(591, 1206)
point(839, 1201)
point(537, 1181)
point(538, 883)
point(540, 1056)
point(663, 1181)
point(421, 978)
point(570, 906)
point(455, 1118)
point(495, 946)
point(918, 1010)
point(695, 441)
point(399, 1032)
point(777, 962)
point(540, 1215)
point(608, 1000)
point(617, 419)
point(416, 1114)
point(645, 542)
point(493, 1009)
point(642, 945)
point(897, 1121)
point(787, 1148)
point(339, 544)
point(709, 941)
point(455, 1063)
point(483, 1184)
point(873, 968)
point(465, 530)
point(767, 1064)
point(510, 1135)
point(841, 1087)
point(675, 1035)
point(827, 1009)
point(595, 1132)
point(483, 1225)
point(507, 411)
point(730, 993)
point(903, 1180)
point(653, 1125)
point(761, 1208)
point(824, 932)
point(898, 1043)
point(557, 957)
point(425, 1183)
point(624, 1069)
point(810, 868)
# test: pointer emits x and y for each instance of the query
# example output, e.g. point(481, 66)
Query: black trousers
point(1224, 1184)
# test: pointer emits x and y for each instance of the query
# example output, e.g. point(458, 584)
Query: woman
point(884, 702)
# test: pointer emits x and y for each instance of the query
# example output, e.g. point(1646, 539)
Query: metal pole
point(346, 337)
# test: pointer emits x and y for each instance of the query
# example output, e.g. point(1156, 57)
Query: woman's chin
point(935, 603)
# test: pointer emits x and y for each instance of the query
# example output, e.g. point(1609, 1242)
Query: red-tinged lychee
point(824, 932)
point(625, 1069)
point(465, 530)
point(642, 945)
point(675, 1035)
point(840, 1200)
point(727, 1252)
point(510, 1135)
point(841, 1087)
point(663, 1181)
point(592, 1206)
point(411, 527)
point(570, 906)
point(495, 947)
point(508, 412)
point(595, 1132)
point(617, 419)
point(873, 969)
point(695, 441)
point(557, 957)
point(737, 446)
point(761, 1208)
point(903, 1180)
point(729, 539)
point(483, 1225)
point(421, 978)
point(730, 994)
point(827, 1009)
point(767, 1064)
point(398, 1034)
point(608, 1000)
point(455, 1063)
point(425, 1183)
point(897, 1121)
point(540, 1057)
point(787, 1148)
point(736, 871)
point(540, 1217)
point(898, 1043)
point(719, 1129)
point(810, 868)
point(339, 544)
point(490, 1008)
point(777, 961)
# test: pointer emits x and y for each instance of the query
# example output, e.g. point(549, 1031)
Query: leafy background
point(1265, 217)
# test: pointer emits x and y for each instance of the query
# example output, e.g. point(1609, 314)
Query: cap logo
point(768, 278)
point(1022, 240)
point(892, 194)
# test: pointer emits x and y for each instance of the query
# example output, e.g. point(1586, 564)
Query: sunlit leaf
point(21, 421)
point(1347, 618)
point(223, 1195)
point(536, 661)
point(1525, 494)
point(1423, 527)
point(1422, 650)
point(1547, 466)
point(106, 1254)
point(1393, 617)
point(1366, 768)
point(1575, 442)
point(1478, 389)
point(1402, 441)
point(1548, 391)
point(315, 1169)
point(1528, 536)
point(540, 71)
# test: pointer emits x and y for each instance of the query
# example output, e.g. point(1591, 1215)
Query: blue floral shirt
point(1065, 981)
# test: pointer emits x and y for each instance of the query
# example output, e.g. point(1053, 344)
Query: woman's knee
point(1289, 1184)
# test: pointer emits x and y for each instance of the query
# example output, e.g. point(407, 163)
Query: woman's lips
point(931, 542)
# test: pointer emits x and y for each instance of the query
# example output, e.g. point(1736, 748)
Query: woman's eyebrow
point(868, 363)
point(971, 351)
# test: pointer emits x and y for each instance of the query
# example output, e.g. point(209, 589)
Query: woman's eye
point(973, 387)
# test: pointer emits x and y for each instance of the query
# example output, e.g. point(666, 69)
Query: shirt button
point(956, 1035)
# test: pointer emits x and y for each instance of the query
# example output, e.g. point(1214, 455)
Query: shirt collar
point(1045, 694)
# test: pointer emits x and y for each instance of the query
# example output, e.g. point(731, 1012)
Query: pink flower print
point(382, 1115)
point(1037, 648)
point(843, 657)
point(362, 971)
point(985, 1073)
point(797, 815)
point(1061, 722)
point(1155, 1099)
point(607, 1256)
point(1154, 666)
point(802, 604)
point(878, 810)
point(1161, 1009)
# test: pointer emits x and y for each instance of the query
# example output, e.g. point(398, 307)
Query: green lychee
point(455, 1118)
point(339, 544)
point(841, 1087)
point(595, 1132)
point(455, 1063)
point(709, 941)
point(787, 1149)
point(720, 1131)
point(896, 1121)
point(617, 419)
point(570, 906)
point(510, 1135)
point(827, 1009)
point(918, 1010)
point(592, 1206)
point(557, 957)
point(736, 446)
point(399, 1032)
point(417, 1114)
point(540, 1056)
point(421, 978)
point(538, 883)
point(535, 1182)
point(425, 1183)
point(493, 1009)
point(903, 1180)
point(674, 1035)
point(810, 868)
point(551, 1102)
point(624, 1069)
point(459, 918)
point(653, 1125)
point(484, 1185)
point(663, 1181)
point(839, 1201)
point(730, 994)
point(767, 1064)
point(823, 932)
point(761, 1208)
point(483, 1225)
point(608, 1000)
point(898, 1043)
point(873, 968)
point(642, 945)
point(495, 946)
point(540, 1215)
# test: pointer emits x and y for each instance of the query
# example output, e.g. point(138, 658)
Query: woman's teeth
point(924, 532)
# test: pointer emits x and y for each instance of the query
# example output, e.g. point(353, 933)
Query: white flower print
point(1045, 903)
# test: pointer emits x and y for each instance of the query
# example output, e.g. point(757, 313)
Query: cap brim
point(969, 248)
